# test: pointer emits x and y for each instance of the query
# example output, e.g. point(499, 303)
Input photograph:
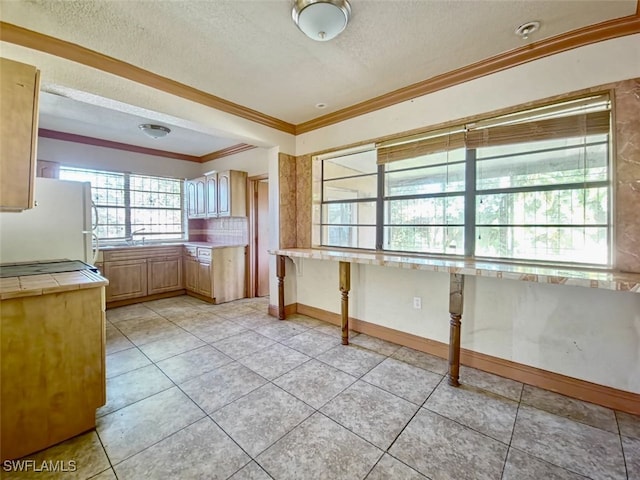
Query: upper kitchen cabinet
point(221, 194)
point(196, 197)
point(232, 194)
point(19, 84)
point(212, 195)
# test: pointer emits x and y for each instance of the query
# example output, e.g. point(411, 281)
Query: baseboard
point(147, 298)
point(288, 309)
point(555, 382)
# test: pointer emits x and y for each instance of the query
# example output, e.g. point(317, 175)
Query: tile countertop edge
point(108, 248)
point(17, 287)
point(607, 280)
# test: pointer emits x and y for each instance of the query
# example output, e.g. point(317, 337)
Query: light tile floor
point(228, 392)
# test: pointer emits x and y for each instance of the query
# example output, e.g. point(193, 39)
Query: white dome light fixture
point(154, 131)
point(321, 20)
point(526, 29)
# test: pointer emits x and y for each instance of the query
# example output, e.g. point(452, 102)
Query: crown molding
point(225, 152)
point(608, 30)
point(76, 53)
point(98, 142)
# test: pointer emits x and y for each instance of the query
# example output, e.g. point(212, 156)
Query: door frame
point(252, 254)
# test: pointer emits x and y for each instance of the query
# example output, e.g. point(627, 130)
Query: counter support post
point(280, 271)
point(456, 300)
point(345, 286)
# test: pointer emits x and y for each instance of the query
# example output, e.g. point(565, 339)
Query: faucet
point(130, 239)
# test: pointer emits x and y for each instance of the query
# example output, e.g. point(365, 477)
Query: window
point(533, 186)
point(129, 204)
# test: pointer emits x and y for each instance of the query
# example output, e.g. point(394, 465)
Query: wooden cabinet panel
point(52, 368)
point(224, 202)
point(164, 275)
point(190, 189)
point(232, 192)
point(191, 274)
point(127, 279)
point(196, 199)
point(228, 274)
point(212, 195)
point(19, 88)
point(205, 284)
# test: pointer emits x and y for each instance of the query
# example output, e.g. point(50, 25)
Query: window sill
point(579, 277)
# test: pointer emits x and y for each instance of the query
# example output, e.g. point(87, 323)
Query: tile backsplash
point(232, 230)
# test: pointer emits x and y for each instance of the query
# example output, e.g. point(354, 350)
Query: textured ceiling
point(249, 51)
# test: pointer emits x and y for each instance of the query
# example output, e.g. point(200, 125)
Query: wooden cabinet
point(19, 87)
point(232, 194)
point(127, 279)
point(215, 274)
point(52, 365)
point(212, 195)
point(221, 194)
point(205, 285)
point(191, 274)
point(164, 275)
point(196, 197)
point(142, 271)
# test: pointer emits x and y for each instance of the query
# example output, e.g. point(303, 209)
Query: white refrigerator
point(58, 227)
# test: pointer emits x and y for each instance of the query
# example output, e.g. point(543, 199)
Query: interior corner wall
point(589, 334)
point(274, 233)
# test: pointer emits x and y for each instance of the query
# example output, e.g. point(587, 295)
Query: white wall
point(89, 156)
point(589, 334)
point(254, 162)
point(596, 64)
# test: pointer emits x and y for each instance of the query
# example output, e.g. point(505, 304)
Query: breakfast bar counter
point(457, 270)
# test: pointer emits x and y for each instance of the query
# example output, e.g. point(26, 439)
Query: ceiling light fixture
point(526, 29)
point(321, 20)
point(154, 131)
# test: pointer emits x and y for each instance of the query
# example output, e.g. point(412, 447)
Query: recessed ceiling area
point(66, 115)
point(252, 54)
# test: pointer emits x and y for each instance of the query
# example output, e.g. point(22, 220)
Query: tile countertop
point(31, 285)
point(176, 244)
point(626, 282)
point(214, 245)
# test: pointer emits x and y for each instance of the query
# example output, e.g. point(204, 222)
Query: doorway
point(258, 265)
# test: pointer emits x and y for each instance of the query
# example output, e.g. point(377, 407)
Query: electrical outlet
point(417, 303)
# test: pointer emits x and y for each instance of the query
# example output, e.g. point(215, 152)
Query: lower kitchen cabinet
point(164, 275)
point(215, 274)
point(52, 365)
point(127, 279)
point(139, 272)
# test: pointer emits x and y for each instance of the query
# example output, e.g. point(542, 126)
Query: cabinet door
point(224, 195)
point(191, 274)
point(127, 279)
point(19, 87)
point(191, 198)
point(205, 286)
point(201, 205)
point(212, 195)
point(164, 275)
point(196, 201)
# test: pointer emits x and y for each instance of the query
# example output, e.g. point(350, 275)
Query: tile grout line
point(624, 456)
point(513, 431)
